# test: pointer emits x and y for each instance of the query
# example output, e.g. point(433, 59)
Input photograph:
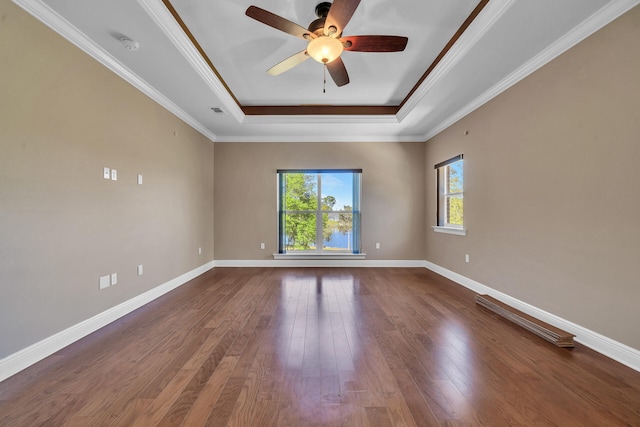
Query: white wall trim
point(478, 28)
point(26, 357)
point(57, 23)
point(317, 263)
point(449, 230)
point(338, 136)
point(602, 17)
point(615, 350)
point(321, 119)
point(167, 23)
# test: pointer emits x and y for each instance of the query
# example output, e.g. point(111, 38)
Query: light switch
point(106, 173)
point(114, 175)
point(139, 179)
point(114, 279)
point(104, 282)
point(140, 270)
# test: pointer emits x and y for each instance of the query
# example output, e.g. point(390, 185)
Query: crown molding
point(57, 23)
point(167, 23)
point(346, 138)
point(479, 26)
point(165, 20)
point(311, 139)
point(337, 119)
point(602, 17)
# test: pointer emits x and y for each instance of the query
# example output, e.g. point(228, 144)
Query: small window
point(450, 179)
point(319, 211)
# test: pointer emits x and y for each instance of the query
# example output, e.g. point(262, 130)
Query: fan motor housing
point(322, 9)
point(317, 26)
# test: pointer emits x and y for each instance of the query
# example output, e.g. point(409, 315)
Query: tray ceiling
point(206, 61)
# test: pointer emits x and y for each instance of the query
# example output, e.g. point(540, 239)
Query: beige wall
point(552, 187)
point(63, 117)
point(392, 195)
point(551, 168)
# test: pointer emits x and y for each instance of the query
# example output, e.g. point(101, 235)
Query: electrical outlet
point(140, 270)
point(104, 282)
point(262, 246)
point(377, 245)
point(106, 173)
point(466, 258)
point(199, 251)
point(139, 179)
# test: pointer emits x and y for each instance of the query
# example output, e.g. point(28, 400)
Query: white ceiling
point(504, 43)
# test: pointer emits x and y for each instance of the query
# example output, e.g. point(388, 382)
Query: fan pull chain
point(324, 84)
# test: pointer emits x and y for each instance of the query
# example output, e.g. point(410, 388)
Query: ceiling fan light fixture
point(327, 44)
point(325, 49)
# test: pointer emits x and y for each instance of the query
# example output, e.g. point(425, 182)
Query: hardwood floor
point(319, 347)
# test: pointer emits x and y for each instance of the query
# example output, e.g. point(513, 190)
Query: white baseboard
point(24, 358)
point(613, 349)
point(317, 263)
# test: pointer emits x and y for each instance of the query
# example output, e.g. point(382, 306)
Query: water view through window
point(319, 211)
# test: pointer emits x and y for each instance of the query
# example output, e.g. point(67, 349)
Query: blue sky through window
point(340, 186)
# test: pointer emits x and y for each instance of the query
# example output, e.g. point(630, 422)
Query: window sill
point(450, 230)
point(311, 255)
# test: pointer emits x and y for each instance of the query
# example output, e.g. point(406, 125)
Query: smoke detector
point(129, 44)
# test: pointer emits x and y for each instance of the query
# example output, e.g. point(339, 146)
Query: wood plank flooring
point(319, 347)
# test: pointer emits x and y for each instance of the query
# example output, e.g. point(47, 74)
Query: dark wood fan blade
point(339, 15)
point(279, 23)
point(338, 72)
point(288, 63)
point(374, 43)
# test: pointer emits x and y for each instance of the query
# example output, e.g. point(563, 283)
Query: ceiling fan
point(324, 37)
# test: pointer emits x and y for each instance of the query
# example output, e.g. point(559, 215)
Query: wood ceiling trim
point(296, 110)
point(474, 14)
point(191, 37)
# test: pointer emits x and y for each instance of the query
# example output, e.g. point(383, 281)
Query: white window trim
point(319, 253)
point(449, 230)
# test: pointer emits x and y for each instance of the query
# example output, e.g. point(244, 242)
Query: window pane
point(450, 185)
point(337, 197)
point(316, 211)
point(300, 192)
point(454, 210)
point(455, 177)
point(338, 234)
point(300, 231)
point(337, 190)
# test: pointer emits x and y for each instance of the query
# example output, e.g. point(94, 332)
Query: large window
point(319, 211)
point(450, 179)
